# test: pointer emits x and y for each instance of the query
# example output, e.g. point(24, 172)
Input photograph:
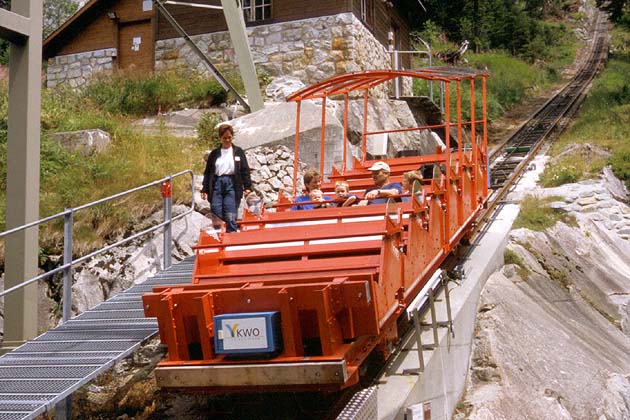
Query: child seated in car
point(343, 198)
point(318, 197)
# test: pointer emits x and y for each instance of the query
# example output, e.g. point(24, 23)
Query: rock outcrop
point(275, 125)
point(108, 274)
point(85, 142)
point(553, 330)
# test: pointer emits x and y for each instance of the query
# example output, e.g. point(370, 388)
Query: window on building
point(367, 12)
point(255, 10)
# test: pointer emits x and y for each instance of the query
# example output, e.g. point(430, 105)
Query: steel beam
point(14, 27)
point(263, 374)
point(23, 28)
point(238, 34)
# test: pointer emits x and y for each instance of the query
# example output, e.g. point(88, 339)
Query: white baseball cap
point(378, 166)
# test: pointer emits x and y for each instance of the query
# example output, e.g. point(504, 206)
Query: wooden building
point(107, 35)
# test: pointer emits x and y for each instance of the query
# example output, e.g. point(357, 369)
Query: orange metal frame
point(340, 277)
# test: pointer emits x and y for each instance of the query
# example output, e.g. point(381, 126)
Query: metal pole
point(426, 44)
point(22, 26)
point(397, 81)
point(168, 202)
point(67, 273)
point(236, 27)
point(63, 409)
point(417, 323)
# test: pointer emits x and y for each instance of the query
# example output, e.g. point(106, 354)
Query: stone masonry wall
point(310, 49)
point(76, 69)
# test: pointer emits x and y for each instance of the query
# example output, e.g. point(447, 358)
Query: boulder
point(181, 123)
point(275, 126)
point(281, 87)
point(86, 142)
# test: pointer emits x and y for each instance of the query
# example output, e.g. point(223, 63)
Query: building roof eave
point(53, 41)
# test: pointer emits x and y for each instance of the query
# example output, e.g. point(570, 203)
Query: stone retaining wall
point(310, 49)
point(76, 69)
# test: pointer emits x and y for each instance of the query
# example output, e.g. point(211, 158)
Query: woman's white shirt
point(225, 163)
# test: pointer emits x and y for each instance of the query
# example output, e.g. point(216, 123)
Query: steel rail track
point(509, 161)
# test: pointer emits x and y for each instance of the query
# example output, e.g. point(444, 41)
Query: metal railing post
point(63, 409)
point(397, 81)
point(167, 194)
point(67, 260)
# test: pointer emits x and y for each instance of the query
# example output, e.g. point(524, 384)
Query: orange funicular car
point(299, 299)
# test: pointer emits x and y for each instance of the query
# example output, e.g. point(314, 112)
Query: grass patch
point(128, 94)
point(570, 168)
point(535, 214)
point(604, 118)
point(511, 257)
point(132, 159)
point(560, 277)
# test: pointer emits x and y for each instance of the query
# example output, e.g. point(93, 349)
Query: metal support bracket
point(420, 325)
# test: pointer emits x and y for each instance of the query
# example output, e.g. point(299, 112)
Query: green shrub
point(559, 175)
point(511, 257)
point(207, 92)
point(570, 168)
point(162, 92)
point(207, 133)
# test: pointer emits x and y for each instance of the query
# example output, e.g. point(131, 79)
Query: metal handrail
point(67, 214)
point(395, 56)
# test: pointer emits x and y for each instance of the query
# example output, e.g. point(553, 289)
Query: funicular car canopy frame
point(363, 81)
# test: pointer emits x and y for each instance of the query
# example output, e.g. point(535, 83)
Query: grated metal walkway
point(42, 372)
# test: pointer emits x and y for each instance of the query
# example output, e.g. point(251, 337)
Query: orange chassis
point(338, 277)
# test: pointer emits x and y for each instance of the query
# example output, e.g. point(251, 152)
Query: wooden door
point(135, 46)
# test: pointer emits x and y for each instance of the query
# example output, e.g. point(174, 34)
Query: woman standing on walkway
point(226, 178)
